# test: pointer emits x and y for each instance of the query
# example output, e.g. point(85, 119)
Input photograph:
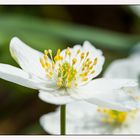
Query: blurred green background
point(114, 29)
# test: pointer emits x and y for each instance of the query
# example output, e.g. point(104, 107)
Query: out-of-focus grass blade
point(38, 31)
point(10, 28)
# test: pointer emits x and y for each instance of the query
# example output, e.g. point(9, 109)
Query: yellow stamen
point(74, 60)
point(67, 52)
point(64, 70)
point(46, 57)
point(58, 52)
point(59, 82)
point(85, 79)
point(42, 62)
point(87, 54)
point(115, 117)
point(78, 51)
point(82, 55)
point(45, 52)
point(95, 61)
point(93, 72)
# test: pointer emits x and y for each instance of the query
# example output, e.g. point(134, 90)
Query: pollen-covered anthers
point(68, 68)
point(47, 64)
point(68, 52)
point(65, 73)
point(115, 117)
point(87, 65)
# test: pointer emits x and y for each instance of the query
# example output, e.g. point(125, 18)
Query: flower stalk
point(139, 80)
point(63, 119)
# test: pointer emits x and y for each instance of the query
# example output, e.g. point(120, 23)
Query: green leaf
point(42, 33)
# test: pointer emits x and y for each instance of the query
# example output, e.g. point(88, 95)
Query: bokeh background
point(114, 29)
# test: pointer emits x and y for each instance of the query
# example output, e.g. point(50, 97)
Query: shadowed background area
point(114, 29)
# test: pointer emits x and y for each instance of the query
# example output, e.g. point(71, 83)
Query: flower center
point(115, 117)
point(68, 68)
point(66, 74)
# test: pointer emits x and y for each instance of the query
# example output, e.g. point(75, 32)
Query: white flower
point(68, 76)
point(84, 118)
point(124, 68)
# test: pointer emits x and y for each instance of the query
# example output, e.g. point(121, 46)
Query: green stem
point(139, 80)
point(63, 119)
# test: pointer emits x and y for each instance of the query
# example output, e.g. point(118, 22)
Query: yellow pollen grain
point(90, 68)
point(84, 74)
point(42, 62)
point(87, 54)
point(59, 82)
point(50, 51)
point(89, 62)
point(85, 79)
point(56, 58)
point(67, 52)
point(95, 61)
point(78, 51)
point(45, 52)
point(93, 72)
point(122, 117)
point(47, 64)
point(46, 57)
point(51, 73)
point(74, 60)
point(58, 52)
point(82, 55)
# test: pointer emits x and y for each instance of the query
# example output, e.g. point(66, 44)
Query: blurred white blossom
point(82, 118)
point(126, 68)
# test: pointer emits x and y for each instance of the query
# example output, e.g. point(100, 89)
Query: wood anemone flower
point(68, 76)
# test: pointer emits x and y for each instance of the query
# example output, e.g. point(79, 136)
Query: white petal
point(124, 68)
point(51, 123)
point(112, 93)
point(20, 77)
point(27, 58)
point(16, 75)
point(57, 97)
point(76, 115)
point(134, 127)
point(79, 109)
